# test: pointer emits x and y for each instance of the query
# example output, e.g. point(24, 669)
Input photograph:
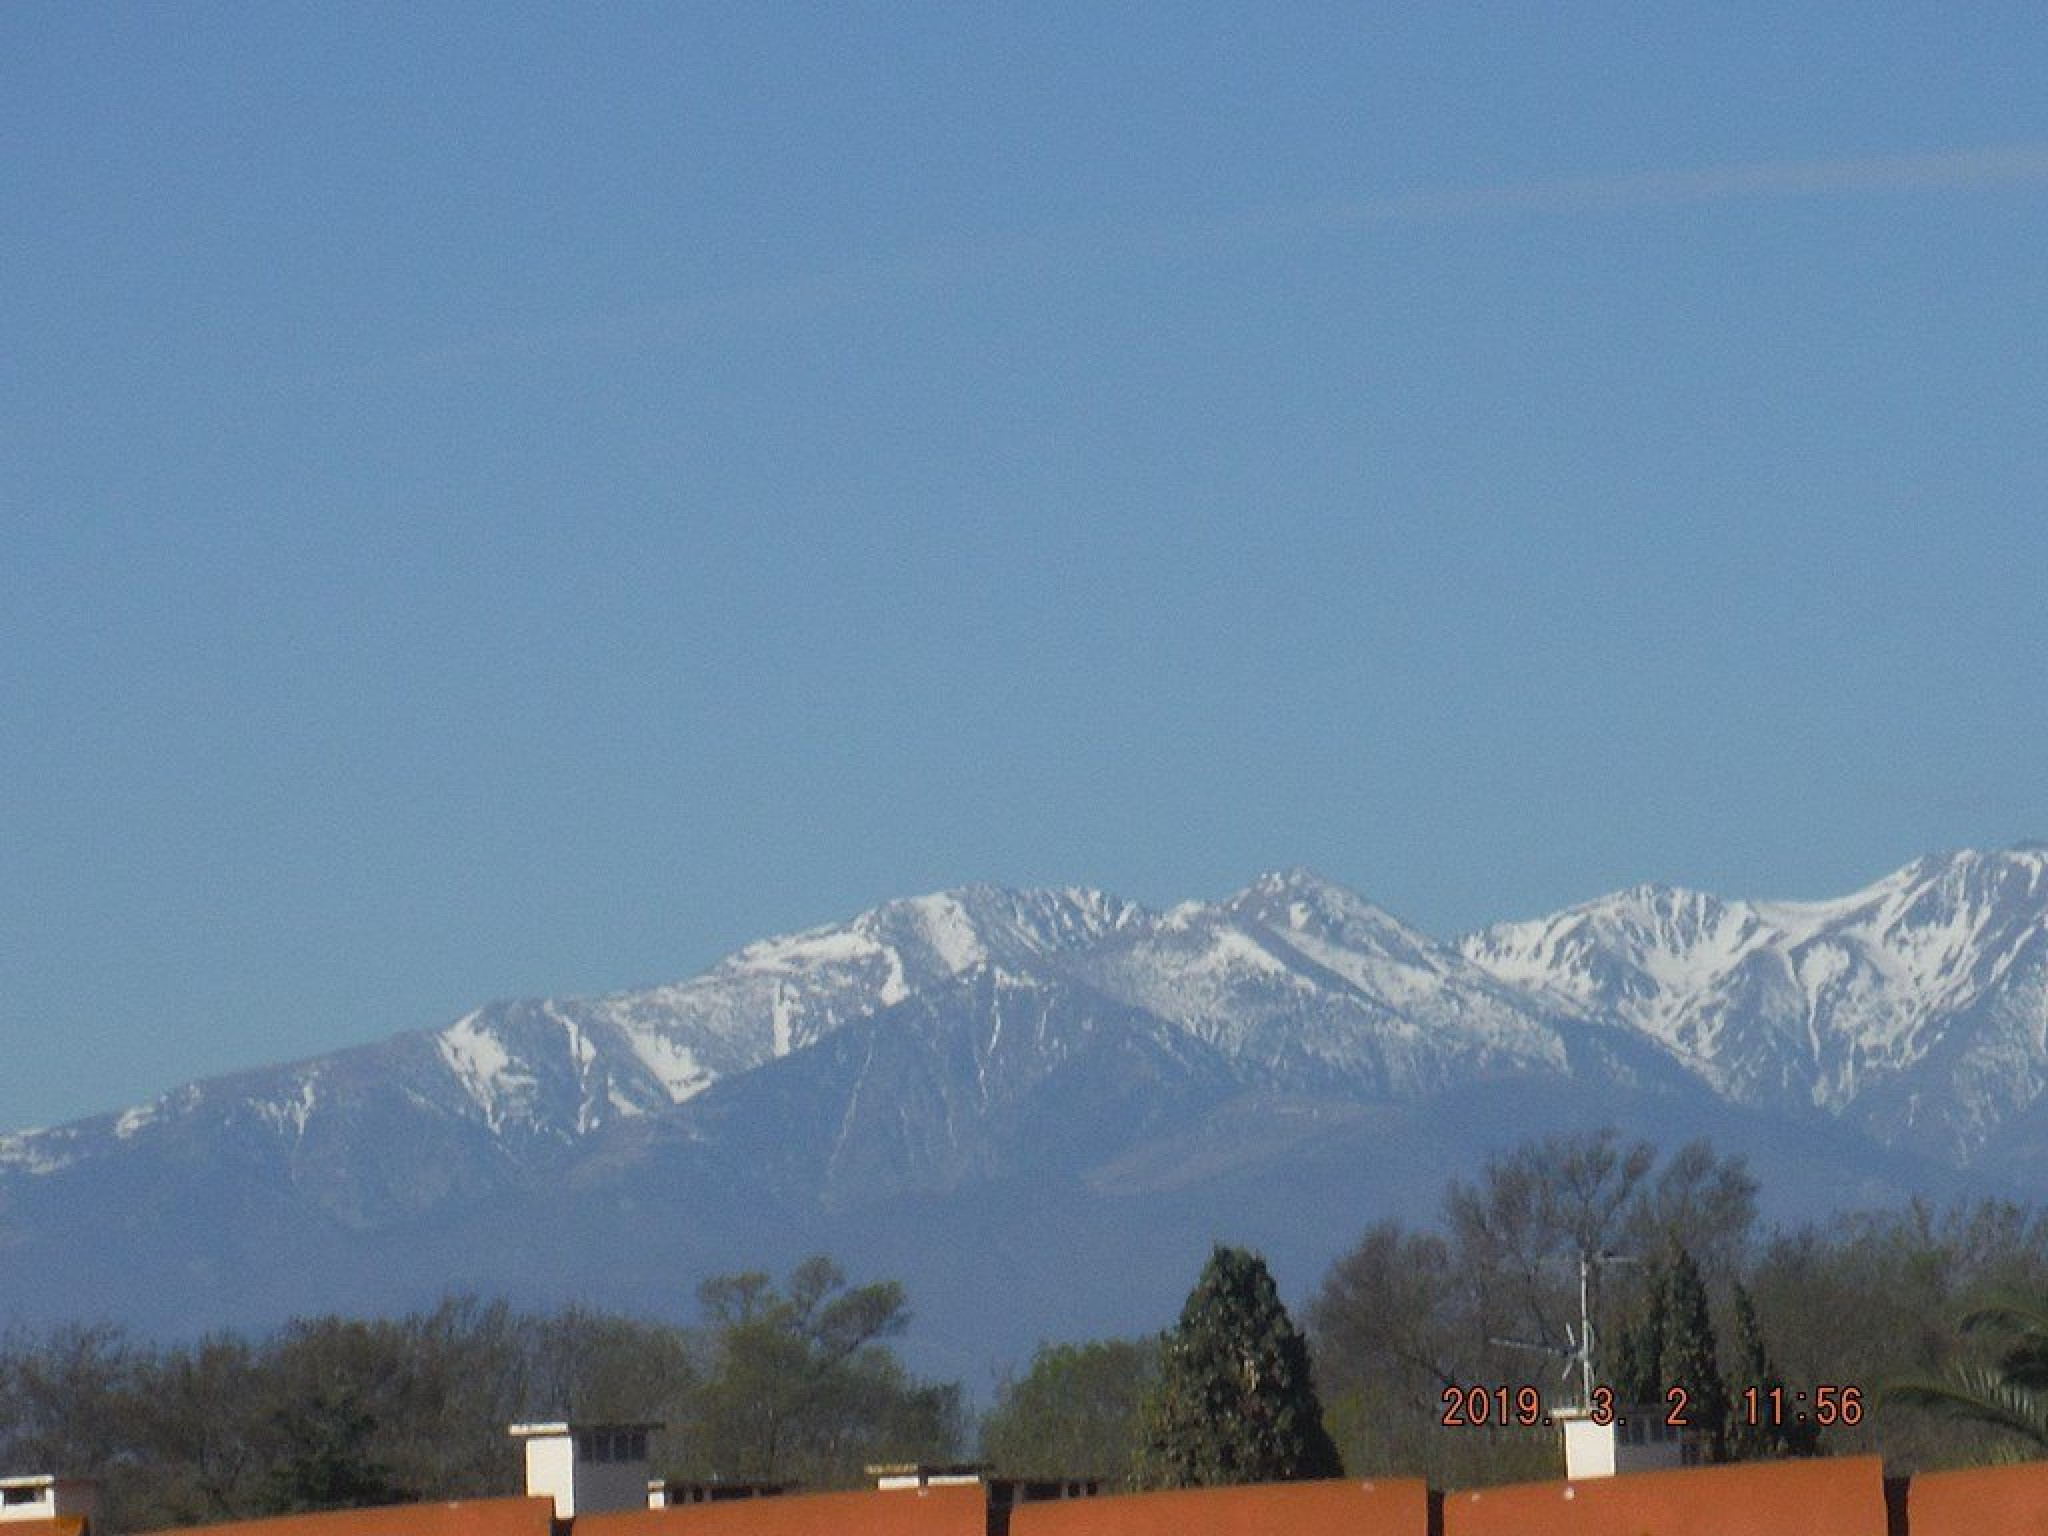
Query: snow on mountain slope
point(1664, 962)
point(992, 1075)
point(973, 1086)
point(1316, 987)
point(1397, 967)
point(521, 1080)
point(782, 994)
point(1915, 1010)
point(1296, 982)
point(550, 1069)
point(1919, 1004)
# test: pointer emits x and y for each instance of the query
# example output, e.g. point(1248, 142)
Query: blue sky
point(512, 499)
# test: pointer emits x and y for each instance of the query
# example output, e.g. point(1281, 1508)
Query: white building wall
point(1588, 1448)
point(47, 1498)
point(586, 1469)
point(1638, 1441)
point(551, 1471)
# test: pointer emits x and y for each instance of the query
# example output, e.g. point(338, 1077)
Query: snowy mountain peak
point(1301, 890)
point(1299, 902)
point(1922, 998)
point(1296, 880)
point(955, 930)
point(1916, 1007)
point(1646, 940)
point(2004, 877)
point(1978, 897)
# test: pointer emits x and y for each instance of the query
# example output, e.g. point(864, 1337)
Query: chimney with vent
point(587, 1469)
point(48, 1498)
point(1633, 1440)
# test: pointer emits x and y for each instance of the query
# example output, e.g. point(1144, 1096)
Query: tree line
point(790, 1382)
point(1919, 1333)
point(795, 1381)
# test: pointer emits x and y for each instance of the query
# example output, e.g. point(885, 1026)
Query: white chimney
point(587, 1469)
point(1634, 1440)
point(47, 1498)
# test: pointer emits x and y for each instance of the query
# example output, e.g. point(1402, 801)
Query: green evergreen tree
point(1234, 1401)
point(1637, 1373)
point(1755, 1369)
point(1689, 1362)
point(329, 1458)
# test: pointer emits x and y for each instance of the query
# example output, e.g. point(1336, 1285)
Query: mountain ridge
point(1821, 1003)
point(1041, 1066)
point(1737, 991)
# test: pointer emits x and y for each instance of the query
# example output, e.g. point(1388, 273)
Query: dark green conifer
point(1234, 1401)
point(1754, 1369)
point(1639, 1358)
point(1689, 1359)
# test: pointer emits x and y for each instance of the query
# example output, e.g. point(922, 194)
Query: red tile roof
point(2008, 1501)
point(955, 1511)
point(1785, 1498)
point(69, 1525)
point(1339, 1507)
point(465, 1517)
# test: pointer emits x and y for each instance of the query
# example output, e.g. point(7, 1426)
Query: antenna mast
point(1581, 1352)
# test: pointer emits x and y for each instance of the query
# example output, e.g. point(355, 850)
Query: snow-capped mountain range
point(1916, 1007)
point(1063, 1049)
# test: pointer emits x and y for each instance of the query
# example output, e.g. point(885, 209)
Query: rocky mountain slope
point(1915, 1009)
point(983, 1089)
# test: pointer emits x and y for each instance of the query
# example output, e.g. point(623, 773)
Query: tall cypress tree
point(1755, 1368)
point(1234, 1401)
point(1689, 1361)
point(1639, 1359)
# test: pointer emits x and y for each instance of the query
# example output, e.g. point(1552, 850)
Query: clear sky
point(500, 499)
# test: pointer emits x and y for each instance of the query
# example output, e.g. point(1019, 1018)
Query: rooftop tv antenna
point(1579, 1354)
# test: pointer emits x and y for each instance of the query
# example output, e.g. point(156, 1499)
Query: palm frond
point(1979, 1395)
point(2010, 1312)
